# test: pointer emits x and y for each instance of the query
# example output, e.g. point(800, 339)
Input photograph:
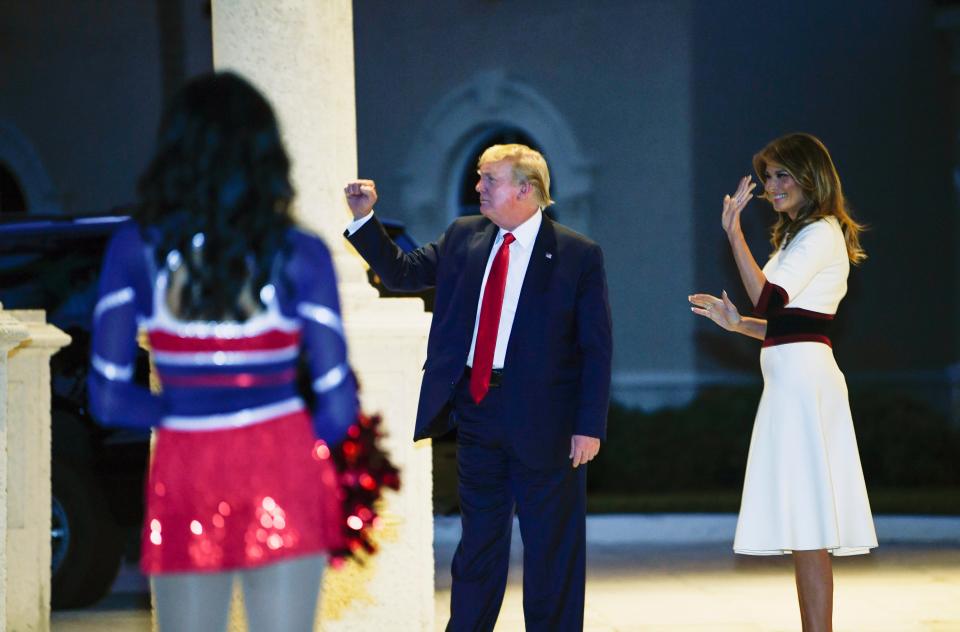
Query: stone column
point(27, 470)
point(12, 333)
point(300, 54)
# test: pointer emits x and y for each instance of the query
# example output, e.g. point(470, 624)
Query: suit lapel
point(478, 252)
point(541, 264)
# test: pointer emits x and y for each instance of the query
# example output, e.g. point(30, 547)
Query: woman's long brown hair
point(807, 160)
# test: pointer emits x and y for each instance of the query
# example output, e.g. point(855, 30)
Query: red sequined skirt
point(239, 498)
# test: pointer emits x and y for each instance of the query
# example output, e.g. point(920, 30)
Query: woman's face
point(782, 190)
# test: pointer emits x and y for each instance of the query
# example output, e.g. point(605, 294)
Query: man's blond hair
point(528, 166)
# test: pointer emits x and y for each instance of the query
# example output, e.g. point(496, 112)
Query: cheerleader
point(231, 295)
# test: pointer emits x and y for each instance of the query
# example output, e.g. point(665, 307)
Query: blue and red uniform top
point(220, 375)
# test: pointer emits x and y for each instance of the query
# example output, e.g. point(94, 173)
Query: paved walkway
point(691, 582)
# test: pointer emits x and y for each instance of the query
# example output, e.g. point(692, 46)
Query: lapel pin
point(549, 255)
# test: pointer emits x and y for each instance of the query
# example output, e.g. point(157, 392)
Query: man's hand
point(583, 449)
point(361, 196)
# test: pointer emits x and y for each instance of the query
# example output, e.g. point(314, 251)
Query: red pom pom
point(367, 482)
point(364, 471)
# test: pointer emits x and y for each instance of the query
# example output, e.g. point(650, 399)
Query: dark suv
point(52, 263)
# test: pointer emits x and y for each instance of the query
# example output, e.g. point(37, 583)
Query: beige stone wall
point(26, 467)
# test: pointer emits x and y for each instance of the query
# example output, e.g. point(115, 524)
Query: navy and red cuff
point(772, 299)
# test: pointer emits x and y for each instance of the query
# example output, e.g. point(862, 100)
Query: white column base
point(27, 502)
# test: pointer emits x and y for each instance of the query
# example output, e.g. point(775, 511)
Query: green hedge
point(903, 443)
point(703, 446)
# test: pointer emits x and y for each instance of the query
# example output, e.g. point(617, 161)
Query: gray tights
point(280, 596)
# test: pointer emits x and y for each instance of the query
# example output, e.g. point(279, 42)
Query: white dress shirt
point(355, 225)
point(520, 250)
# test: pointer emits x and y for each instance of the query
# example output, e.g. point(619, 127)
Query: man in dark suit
point(519, 360)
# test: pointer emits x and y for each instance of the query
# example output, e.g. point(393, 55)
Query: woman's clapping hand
point(720, 310)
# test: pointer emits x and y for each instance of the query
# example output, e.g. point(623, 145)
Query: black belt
point(496, 376)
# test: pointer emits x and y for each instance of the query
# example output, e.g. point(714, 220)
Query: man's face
point(502, 201)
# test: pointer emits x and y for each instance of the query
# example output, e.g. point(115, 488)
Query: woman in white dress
point(804, 491)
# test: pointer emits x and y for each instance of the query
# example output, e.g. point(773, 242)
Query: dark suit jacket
point(556, 374)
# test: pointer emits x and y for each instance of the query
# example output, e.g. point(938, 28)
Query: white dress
point(804, 487)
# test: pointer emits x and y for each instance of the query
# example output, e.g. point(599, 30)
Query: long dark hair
point(807, 160)
point(217, 192)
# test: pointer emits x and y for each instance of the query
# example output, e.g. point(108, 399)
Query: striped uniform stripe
point(238, 419)
point(225, 358)
point(321, 315)
point(112, 371)
point(240, 380)
point(274, 339)
point(331, 379)
point(113, 300)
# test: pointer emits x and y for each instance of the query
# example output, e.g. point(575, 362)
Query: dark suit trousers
point(551, 506)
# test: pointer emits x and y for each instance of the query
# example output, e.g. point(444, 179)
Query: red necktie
point(490, 310)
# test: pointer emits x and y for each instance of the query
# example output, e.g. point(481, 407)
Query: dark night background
point(648, 112)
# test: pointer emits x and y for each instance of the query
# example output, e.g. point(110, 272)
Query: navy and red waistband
point(790, 324)
point(798, 325)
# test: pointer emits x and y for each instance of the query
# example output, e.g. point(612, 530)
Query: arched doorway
point(12, 198)
point(25, 186)
point(441, 166)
